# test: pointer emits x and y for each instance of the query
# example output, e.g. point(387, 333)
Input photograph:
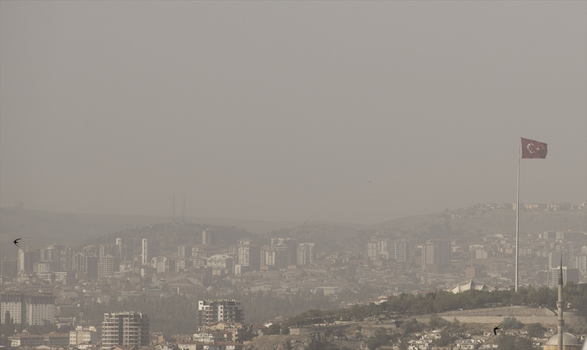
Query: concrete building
point(291, 245)
point(33, 310)
point(84, 335)
point(86, 264)
point(554, 260)
point(207, 237)
point(184, 251)
point(163, 264)
point(569, 275)
point(40, 308)
point(125, 329)
point(402, 251)
point(31, 340)
point(149, 249)
point(145, 251)
point(248, 255)
point(436, 255)
point(277, 256)
point(15, 304)
point(107, 265)
point(27, 258)
point(305, 253)
point(372, 249)
point(223, 262)
point(222, 310)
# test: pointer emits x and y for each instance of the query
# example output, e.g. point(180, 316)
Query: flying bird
point(495, 330)
point(16, 242)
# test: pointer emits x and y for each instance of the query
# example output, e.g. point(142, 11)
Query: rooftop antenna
point(173, 210)
point(183, 208)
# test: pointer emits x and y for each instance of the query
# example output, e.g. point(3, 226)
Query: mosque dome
point(568, 339)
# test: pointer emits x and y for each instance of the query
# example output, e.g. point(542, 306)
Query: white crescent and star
point(532, 148)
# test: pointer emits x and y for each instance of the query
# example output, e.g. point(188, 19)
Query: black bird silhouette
point(495, 330)
point(16, 242)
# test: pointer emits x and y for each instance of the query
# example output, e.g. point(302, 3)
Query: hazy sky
point(346, 111)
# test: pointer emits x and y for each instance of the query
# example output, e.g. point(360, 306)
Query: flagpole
point(517, 222)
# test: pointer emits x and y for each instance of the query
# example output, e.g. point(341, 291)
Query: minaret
point(559, 305)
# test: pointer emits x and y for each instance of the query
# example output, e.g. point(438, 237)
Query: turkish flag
point(533, 149)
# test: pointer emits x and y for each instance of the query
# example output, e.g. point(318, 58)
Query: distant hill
point(483, 219)
point(39, 228)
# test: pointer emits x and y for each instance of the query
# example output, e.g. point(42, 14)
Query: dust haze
point(344, 111)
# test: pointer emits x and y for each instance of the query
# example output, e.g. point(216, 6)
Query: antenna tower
point(173, 210)
point(183, 208)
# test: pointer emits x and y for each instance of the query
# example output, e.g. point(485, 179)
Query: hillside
point(481, 220)
point(39, 228)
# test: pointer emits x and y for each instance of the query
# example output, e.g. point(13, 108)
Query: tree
point(8, 328)
point(455, 326)
point(274, 329)
point(437, 322)
point(413, 326)
point(535, 330)
point(511, 322)
point(380, 338)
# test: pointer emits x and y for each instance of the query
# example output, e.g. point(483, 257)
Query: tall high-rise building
point(107, 265)
point(65, 259)
point(27, 258)
point(436, 255)
point(554, 260)
point(580, 262)
point(145, 251)
point(569, 275)
point(222, 310)
point(372, 249)
point(402, 251)
point(125, 329)
point(207, 237)
point(292, 248)
point(277, 256)
point(248, 255)
point(87, 264)
point(305, 253)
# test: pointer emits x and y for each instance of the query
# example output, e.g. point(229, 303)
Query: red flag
point(533, 149)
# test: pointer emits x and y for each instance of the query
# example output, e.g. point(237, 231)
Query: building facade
point(33, 310)
point(222, 310)
point(124, 329)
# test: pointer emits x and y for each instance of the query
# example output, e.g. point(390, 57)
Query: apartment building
point(222, 310)
point(125, 328)
point(33, 310)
